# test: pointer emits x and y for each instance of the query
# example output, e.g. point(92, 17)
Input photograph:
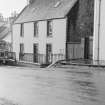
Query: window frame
point(22, 30)
point(36, 28)
point(49, 28)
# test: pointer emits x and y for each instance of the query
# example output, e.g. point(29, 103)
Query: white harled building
point(43, 30)
point(99, 31)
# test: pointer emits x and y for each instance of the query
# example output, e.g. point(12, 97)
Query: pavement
point(74, 62)
point(61, 64)
point(79, 62)
point(28, 64)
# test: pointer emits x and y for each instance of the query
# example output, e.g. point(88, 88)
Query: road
point(54, 86)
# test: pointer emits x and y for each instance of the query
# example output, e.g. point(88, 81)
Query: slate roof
point(4, 30)
point(45, 9)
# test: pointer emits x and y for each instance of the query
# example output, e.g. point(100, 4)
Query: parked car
point(7, 57)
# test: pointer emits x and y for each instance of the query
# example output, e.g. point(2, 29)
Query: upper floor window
point(49, 28)
point(22, 30)
point(35, 28)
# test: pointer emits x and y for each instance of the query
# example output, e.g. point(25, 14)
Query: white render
point(99, 31)
point(58, 39)
point(16, 39)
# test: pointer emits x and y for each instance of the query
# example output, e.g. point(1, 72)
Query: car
point(7, 57)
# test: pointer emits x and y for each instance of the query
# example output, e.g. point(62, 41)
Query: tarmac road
point(53, 86)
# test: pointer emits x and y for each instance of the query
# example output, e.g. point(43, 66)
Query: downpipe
point(99, 20)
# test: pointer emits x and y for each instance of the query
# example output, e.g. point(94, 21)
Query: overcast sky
point(8, 6)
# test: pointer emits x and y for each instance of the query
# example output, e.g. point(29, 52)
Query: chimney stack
point(28, 2)
point(31, 1)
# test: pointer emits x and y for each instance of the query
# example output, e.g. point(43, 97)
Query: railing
point(26, 57)
point(41, 58)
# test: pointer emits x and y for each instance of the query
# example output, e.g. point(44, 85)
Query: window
point(22, 30)
point(21, 48)
point(49, 28)
point(35, 28)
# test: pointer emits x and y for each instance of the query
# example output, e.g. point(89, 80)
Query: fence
point(41, 58)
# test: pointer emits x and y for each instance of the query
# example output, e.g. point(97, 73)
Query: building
point(45, 32)
point(5, 36)
point(99, 31)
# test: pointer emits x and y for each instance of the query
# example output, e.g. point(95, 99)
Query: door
point(21, 54)
point(48, 53)
point(86, 48)
point(35, 59)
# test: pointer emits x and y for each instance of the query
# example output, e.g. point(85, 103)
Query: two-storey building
point(44, 32)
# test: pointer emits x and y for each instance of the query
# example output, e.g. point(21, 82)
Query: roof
point(4, 31)
point(45, 9)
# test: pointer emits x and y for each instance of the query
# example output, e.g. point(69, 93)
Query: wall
point(99, 29)
point(58, 39)
point(59, 36)
point(16, 39)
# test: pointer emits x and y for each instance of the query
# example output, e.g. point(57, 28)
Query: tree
point(1, 17)
point(14, 14)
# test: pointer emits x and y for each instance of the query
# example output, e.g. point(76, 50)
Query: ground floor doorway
point(35, 51)
point(48, 53)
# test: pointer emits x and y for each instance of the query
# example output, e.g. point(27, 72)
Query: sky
point(9, 6)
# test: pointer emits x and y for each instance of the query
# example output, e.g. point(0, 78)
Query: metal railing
point(41, 58)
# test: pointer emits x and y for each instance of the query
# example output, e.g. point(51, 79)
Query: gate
point(75, 51)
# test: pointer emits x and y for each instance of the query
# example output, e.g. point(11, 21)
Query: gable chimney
point(30, 1)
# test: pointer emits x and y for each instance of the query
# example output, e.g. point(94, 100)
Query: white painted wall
point(101, 33)
point(58, 39)
point(28, 38)
point(16, 39)
point(59, 36)
point(42, 37)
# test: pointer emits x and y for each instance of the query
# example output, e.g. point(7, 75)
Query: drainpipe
point(99, 20)
point(11, 36)
point(66, 49)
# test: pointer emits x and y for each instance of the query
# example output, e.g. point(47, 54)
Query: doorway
point(35, 55)
point(48, 53)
